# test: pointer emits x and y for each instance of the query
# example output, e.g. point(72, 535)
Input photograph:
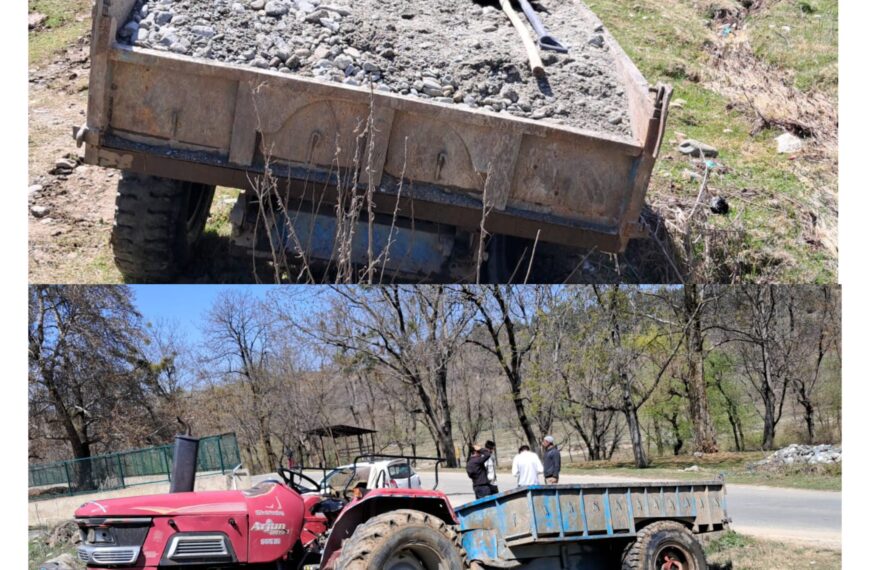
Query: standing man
point(475, 467)
point(552, 461)
point(490, 468)
point(527, 468)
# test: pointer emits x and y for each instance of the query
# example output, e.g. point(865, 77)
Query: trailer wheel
point(157, 223)
point(403, 540)
point(665, 545)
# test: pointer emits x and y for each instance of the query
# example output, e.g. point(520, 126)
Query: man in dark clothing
point(552, 461)
point(475, 467)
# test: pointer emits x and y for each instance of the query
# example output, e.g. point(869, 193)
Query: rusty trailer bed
point(168, 115)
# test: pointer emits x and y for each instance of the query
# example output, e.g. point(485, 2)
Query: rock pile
point(801, 455)
point(452, 51)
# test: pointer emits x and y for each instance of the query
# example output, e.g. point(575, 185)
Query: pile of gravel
point(802, 455)
point(464, 52)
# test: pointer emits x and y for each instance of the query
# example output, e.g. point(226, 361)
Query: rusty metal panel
point(571, 178)
point(322, 133)
point(196, 111)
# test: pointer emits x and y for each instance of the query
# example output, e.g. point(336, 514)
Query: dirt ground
point(69, 242)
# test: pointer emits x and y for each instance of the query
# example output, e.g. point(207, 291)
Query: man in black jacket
point(552, 461)
point(475, 467)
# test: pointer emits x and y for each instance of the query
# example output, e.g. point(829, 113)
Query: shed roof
point(339, 430)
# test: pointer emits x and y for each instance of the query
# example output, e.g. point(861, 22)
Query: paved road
point(781, 514)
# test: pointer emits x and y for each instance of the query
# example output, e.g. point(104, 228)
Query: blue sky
point(185, 306)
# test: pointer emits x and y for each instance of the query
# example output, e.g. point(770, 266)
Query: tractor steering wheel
point(290, 478)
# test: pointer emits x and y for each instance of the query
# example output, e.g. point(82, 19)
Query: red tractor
point(290, 524)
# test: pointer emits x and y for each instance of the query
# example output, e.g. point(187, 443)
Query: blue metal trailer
point(636, 525)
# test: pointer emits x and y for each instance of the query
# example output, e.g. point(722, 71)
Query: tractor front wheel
point(403, 540)
point(157, 223)
point(665, 545)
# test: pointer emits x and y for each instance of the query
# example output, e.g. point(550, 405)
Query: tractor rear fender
point(380, 501)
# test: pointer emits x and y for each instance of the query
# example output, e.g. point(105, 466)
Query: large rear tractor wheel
point(403, 540)
point(664, 545)
point(157, 224)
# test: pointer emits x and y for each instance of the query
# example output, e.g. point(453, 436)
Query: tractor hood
point(258, 525)
point(170, 504)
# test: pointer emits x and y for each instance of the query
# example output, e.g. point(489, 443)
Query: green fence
point(127, 468)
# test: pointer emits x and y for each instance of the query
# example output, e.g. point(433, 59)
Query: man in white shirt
point(527, 467)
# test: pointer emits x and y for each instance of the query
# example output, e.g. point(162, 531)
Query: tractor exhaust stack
point(184, 464)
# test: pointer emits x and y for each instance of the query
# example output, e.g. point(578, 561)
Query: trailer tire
point(157, 224)
point(660, 540)
point(403, 539)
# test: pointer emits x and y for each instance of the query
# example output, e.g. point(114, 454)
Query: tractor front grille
point(198, 546)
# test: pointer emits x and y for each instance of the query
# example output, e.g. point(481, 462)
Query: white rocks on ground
point(453, 51)
point(39, 211)
point(796, 454)
point(787, 143)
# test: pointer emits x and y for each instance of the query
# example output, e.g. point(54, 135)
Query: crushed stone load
point(796, 454)
point(451, 51)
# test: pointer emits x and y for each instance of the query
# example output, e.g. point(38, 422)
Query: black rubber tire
point(427, 541)
point(660, 536)
point(158, 221)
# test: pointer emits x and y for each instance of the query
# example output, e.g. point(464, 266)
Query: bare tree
point(505, 315)
point(240, 343)
point(413, 333)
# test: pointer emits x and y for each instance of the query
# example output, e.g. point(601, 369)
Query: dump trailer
point(439, 179)
point(592, 526)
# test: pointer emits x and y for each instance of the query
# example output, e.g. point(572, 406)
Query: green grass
point(770, 199)
point(733, 550)
point(61, 27)
point(733, 466)
point(801, 36)
point(218, 224)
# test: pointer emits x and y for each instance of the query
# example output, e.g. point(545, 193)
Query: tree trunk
point(525, 423)
point(674, 420)
point(448, 451)
point(696, 384)
point(660, 440)
point(640, 460)
point(809, 415)
point(768, 398)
